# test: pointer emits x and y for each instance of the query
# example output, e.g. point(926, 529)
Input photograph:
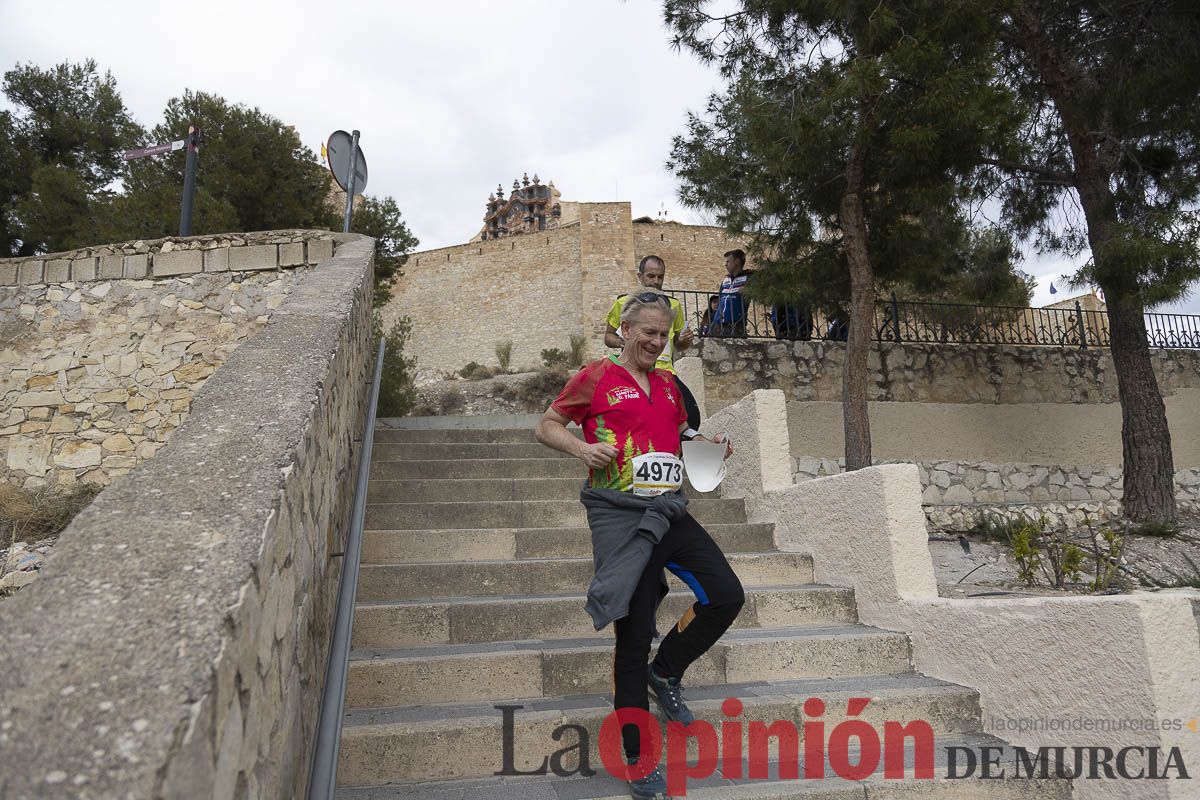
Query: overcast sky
point(451, 97)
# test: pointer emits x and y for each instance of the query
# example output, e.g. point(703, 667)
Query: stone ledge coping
point(107, 657)
point(169, 257)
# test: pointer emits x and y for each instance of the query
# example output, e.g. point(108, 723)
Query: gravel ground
point(989, 570)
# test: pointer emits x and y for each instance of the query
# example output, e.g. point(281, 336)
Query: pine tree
point(1109, 122)
point(839, 145)
point(60, 149)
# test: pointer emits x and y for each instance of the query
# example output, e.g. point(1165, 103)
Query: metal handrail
point(322, 776)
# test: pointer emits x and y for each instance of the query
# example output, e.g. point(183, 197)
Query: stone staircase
point(476, 558)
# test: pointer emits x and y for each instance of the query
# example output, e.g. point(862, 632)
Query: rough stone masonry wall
point(930, 373)
point(606, 262)
point(175, 646)
point(950, 409)
point(102, 349)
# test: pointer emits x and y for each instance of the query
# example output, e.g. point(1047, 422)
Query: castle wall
point(536, 290)
point(694, 253)
point(607, 264)
point(463, 300)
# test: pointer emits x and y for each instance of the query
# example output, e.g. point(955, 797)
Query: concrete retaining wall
point(175, 646)
point(1112, 661)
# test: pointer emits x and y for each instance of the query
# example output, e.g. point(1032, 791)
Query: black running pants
point(690, 553)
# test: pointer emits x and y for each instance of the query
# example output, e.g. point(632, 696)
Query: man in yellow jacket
point(652, 271)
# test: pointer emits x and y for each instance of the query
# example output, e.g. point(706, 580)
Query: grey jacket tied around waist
point(625, 528)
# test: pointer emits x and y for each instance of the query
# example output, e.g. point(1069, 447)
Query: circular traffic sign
point(337, 153)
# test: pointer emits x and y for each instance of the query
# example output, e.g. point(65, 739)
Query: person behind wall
point(652, 271)
point(633, 423)
point(838, 327)
point(710, 313)
point(791, 321)
point(730, 318)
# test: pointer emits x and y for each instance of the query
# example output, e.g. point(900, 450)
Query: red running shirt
point(605, 400)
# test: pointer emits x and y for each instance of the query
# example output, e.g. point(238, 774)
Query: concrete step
point(459, 436)
point(473, 422)
point(446, 490)
point(424, 451)
point(495, 544)
point(519, 514)
point(415, 623)
point(470, 673)
point(531, 577)
point(447, 742)
point(438, 469)
point(727, 785)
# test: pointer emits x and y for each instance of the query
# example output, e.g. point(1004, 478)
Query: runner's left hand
point(720, 437)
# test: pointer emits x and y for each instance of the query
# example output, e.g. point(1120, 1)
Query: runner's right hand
point(598, 455)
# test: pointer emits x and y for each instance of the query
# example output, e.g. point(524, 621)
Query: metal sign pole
point(350, 183)
point(189, 181)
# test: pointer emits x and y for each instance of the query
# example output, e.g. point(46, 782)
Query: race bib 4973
point(656, 473)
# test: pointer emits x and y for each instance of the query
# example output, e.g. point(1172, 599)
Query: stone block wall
point(930, 373)
point(1010, 431)
point(102, 349)
point(606, 260)
point(176, 644)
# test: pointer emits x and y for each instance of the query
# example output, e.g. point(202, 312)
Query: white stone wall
point(102, 349)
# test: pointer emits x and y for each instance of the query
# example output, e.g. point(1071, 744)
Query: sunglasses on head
point(653, 297)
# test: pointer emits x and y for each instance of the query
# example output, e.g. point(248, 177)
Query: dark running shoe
point(651, 787)
point(669, 694)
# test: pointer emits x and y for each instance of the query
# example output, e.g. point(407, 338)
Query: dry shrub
point(578, 345)
point(27, 516)
point(536, 392)
point(451, 400)
point(481, 372)
point(504, 354)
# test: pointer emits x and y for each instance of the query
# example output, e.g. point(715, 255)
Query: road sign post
point(189, 181)
point(350, 187)
point(192, 142)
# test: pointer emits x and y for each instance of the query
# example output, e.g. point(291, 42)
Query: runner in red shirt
point(633, 419)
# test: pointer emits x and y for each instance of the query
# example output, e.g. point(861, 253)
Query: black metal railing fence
point(944, 323)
